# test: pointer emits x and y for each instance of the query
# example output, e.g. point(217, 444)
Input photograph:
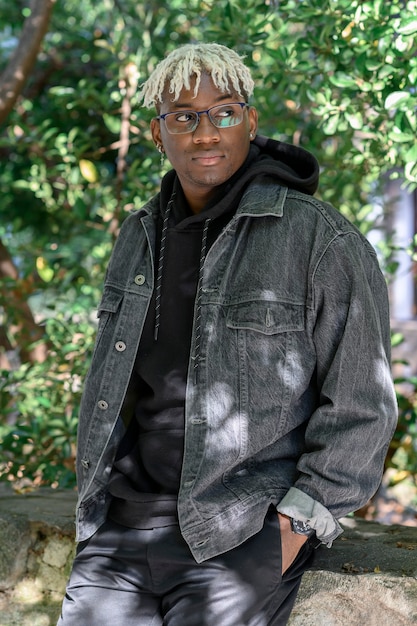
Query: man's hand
point(290, 542)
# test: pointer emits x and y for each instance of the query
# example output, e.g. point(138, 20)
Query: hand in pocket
point(291, 543)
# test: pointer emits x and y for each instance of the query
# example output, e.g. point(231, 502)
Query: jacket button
point(85, 463)
point(120, 346)
point(139, 279)
point(103, 405)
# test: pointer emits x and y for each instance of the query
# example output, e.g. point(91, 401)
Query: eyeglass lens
point(222, 116)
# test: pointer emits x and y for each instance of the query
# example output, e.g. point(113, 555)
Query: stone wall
point(36, 551)
point(368, 578)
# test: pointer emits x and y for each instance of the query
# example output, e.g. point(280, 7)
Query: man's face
point(208, 156)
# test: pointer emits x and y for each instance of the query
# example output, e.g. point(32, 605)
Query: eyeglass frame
point(199, 113)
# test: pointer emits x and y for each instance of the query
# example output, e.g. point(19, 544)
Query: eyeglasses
point(221, 116)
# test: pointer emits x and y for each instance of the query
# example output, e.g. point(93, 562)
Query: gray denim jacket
point(293, 404)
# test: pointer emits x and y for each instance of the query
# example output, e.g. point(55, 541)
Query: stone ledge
point(369, 576)
point(329, 598)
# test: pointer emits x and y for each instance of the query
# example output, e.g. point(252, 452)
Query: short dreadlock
point(224, 65)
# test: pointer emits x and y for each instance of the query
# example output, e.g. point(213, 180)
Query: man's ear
point(156, 132)
point(253, 120)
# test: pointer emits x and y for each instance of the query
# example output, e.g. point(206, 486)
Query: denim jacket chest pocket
point(134, 295)
point(271, 344)
point(266, 317)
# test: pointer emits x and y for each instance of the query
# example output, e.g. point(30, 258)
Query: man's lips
point(207, 159)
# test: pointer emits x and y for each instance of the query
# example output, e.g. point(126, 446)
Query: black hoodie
point(146, 474)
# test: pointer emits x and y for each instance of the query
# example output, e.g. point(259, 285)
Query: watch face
point(301, 528)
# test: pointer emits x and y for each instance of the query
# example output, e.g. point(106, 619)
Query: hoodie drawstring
point(197, 328)
point(158, 286)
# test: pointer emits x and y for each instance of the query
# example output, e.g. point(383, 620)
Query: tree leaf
point(88, 170)
point(355, 120)
point(112, 122)
point(396, 99)
point(341, 79)
point(399, 137)
point(331, 124)
point(407, 26)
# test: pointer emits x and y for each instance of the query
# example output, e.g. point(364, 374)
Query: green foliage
point(402, 457)
point(39, 403)
point(335, 76)
point(345, 72)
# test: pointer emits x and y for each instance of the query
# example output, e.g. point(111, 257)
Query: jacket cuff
point(300, 506)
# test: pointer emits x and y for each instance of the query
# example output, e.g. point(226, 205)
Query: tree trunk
point(23, 59)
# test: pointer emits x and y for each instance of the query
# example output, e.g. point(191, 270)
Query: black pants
point(129, 577)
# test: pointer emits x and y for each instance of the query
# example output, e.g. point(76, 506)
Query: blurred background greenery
point(337, 77)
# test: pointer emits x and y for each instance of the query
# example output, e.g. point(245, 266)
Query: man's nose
point(206, 130)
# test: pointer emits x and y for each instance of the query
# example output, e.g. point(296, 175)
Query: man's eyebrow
point(187, 105)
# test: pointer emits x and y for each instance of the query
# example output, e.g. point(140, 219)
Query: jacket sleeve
point(349, 431)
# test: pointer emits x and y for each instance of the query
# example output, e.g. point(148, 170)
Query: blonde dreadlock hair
point(224, 65)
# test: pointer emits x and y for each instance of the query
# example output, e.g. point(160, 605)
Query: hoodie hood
point(291, 165)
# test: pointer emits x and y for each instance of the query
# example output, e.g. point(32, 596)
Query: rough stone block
point(58, 551)
point(332, 599)
point(15, 540)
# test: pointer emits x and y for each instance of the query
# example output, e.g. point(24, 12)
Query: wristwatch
point(301, 528)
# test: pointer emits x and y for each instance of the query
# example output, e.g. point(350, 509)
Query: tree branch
point(128, 82)
point(24, 57)
point(22, 327)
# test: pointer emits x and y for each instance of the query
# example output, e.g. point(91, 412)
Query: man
point(239, 400)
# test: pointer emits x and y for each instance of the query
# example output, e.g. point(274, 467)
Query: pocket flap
point(266, 317)
point(110, 301)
